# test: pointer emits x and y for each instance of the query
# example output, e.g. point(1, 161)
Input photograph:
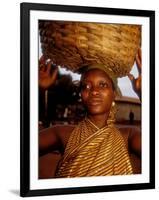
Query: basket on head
point(77, 44)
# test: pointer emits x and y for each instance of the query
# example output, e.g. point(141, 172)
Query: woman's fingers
point(48, 67)
point(54, 75)
point(138, 60)
point(135, 82)
point(139, 53)
point(131, 77)
point(42, 60)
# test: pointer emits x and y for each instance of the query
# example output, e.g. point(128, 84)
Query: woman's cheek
point(84, 96)
point(108, 94)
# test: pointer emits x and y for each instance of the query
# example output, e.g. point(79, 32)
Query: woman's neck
point(99, 120)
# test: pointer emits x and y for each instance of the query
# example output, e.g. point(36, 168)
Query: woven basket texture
point(76, 44)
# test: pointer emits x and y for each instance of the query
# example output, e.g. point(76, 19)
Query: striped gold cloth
point(91, 151)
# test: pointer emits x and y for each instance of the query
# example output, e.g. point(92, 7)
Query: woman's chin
point(95, 111)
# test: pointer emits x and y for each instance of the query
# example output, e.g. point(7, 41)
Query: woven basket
point(74, 45)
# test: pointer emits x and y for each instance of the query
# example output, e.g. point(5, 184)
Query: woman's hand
point(46, 77)
point(136, 82)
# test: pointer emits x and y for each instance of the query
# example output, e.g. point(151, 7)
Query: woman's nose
point(94, 91)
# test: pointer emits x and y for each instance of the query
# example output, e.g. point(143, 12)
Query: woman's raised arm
point(47, 75)
point(136, 82)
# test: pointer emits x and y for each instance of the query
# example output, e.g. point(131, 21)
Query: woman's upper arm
point(64, 133)
point(135, 141)
point(48, 139)
point(54, 138)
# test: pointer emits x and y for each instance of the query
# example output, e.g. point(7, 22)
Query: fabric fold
point(94, 152)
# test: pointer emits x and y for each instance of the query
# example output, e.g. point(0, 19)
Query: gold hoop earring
point(112, 117)
point(113, 103)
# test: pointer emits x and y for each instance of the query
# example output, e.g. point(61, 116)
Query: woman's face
point(97, 92)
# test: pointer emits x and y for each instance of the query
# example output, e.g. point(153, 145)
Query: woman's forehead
point(94, 74)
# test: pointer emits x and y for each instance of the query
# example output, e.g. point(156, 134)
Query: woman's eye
point(85, 87)
point(103, 84)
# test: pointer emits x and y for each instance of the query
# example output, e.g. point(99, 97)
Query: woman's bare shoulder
point(56, 135)
point(64, 129)
point(63, 132)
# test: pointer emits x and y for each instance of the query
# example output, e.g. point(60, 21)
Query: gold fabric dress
point(91, 151)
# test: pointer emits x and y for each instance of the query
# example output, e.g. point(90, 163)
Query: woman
point(95, 147)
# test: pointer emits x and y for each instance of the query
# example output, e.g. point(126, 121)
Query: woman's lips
point(94, 102)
